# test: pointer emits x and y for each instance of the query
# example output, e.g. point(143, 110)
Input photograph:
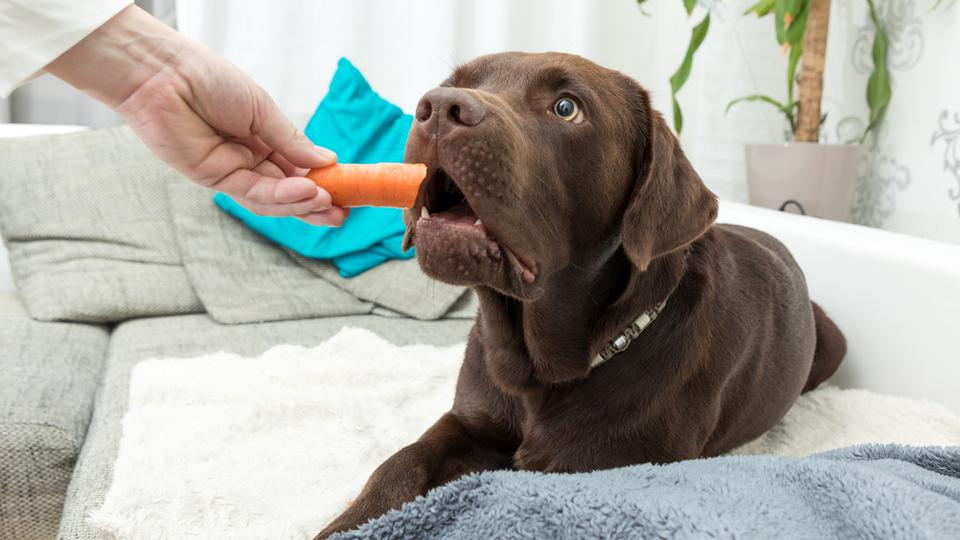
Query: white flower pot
point(820, 178)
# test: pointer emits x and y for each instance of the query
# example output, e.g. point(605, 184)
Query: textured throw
point(222, 446)
point(872, 491)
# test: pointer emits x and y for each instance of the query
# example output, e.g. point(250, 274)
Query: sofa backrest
point(6, 276)
point(24, 130)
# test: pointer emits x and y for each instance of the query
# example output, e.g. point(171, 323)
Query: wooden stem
point(811, 71)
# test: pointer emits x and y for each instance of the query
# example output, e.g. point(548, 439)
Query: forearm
point(120, 56)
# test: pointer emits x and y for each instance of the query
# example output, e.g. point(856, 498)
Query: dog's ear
point(670, 206)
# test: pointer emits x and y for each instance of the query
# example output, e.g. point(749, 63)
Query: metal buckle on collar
point(622, 341)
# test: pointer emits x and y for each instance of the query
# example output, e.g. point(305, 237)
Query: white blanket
point(222, 446)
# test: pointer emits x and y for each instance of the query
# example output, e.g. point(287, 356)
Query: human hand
point(202, 115)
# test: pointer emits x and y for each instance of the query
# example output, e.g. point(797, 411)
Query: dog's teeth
point(424, 213)
point(477, 223)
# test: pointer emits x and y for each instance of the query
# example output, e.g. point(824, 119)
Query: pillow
point(361, 127)
point(239, 275)
point(85, 219)
point(400, 287)
point(242, 277)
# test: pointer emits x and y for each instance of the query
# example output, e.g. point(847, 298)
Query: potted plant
point(812, 177)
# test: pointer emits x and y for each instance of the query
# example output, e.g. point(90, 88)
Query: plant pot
point(817, 178)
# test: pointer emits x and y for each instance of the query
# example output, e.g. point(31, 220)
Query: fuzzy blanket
point(871, 491)
point(222, 446)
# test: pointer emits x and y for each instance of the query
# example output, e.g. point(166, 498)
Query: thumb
point(281, 136)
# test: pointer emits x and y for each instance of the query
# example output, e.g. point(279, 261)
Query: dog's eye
point(568, 109)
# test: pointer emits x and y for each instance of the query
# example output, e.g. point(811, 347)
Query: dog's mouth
point(444, 200)
point(443, 210)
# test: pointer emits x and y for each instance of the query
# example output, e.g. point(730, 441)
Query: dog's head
point(539, 162)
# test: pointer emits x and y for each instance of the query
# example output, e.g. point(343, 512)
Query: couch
point(116, 259)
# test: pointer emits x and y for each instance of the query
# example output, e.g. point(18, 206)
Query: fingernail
point(312, 219)
point(322, 201)
point(325, 152)
point(319, 219)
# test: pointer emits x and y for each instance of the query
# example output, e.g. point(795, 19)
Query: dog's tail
point(830, 350)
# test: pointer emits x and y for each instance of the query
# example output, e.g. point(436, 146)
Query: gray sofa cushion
point(50, 373)
point(399, 286)
point(86, 222)
point(191, 335)
point(242, 277)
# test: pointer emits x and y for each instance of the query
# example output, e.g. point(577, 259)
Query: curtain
point(407, 47)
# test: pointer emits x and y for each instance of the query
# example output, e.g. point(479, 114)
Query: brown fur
point(611, 219)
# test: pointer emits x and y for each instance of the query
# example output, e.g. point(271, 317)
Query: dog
point(617, 324)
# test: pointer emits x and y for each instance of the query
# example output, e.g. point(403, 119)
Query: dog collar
point(620, 343)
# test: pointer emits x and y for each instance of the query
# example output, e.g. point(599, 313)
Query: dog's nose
point(443, 110)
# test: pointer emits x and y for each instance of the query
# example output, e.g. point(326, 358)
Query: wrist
point(120, 56)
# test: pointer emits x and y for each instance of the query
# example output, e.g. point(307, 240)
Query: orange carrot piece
point(381, 184)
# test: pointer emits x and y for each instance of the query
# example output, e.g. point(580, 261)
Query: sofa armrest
point(50, 373)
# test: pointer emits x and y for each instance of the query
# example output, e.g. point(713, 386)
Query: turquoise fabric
point(361, 127)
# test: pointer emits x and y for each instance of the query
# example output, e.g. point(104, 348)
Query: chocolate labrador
point(617, 323)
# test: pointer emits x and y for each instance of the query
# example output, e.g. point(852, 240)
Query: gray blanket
point(873, 491)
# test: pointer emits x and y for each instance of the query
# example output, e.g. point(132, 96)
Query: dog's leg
point(831, 347)
point(442, 454)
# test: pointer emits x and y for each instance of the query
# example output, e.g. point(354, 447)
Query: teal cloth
point(361, 127)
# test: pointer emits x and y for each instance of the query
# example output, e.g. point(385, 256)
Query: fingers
point(317, 204)
point(286, 140)
point(333, 217)
point(269, 168)
point(288, 190)
point(269, 191)
point(290, 186)
point(284, 165)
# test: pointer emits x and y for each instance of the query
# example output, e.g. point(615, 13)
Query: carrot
point(381, 184)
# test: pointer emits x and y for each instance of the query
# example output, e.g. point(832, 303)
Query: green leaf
point(677, 116)
point(784, 108)
point(787, 109)
point(797, 9)
point(761, 8)
point(689, 5)
point(879, 91)
point(683, 72)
